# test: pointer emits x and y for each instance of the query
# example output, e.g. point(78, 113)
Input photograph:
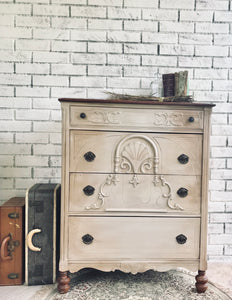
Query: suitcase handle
point(29, 240)
point(3, 246)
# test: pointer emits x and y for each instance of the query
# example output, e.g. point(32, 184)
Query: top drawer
point(135, 119)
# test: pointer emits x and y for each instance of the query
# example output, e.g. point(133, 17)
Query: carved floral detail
point(135, 268)
point(173, 119)
point(105, 117)
point(134, 181)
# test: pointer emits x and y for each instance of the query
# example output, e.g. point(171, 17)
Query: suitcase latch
point(13, 215)
point(12, 245)
point(13, 275)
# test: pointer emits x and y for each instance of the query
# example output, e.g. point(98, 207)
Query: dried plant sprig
point(188, 98)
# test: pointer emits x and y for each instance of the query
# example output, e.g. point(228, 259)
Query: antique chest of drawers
point(134, 186)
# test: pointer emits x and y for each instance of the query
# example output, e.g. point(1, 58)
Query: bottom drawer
point(142, 238)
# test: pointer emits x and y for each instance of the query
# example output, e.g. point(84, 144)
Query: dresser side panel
point(205, 190)
point(63, 266)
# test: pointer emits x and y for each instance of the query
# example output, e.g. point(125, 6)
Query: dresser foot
point(201, 282)
point(63, 282)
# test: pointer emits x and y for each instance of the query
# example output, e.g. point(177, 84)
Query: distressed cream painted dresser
point(134, 186)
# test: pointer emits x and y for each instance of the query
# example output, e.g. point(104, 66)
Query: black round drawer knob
point(191, 119)
point(183, 159)
point(89, 156)
point(182, 192)
point(87, 239)
point(181, 239)
point(88, 190)
point(82, 115)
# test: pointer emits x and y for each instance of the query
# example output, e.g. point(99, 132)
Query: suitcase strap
point(9, 244)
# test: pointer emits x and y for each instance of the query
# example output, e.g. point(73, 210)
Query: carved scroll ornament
point(105, 117)
point(174, 119)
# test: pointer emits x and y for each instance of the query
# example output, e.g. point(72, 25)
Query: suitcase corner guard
point(29, 240)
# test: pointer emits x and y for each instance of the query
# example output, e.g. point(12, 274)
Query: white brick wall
point(79, 48)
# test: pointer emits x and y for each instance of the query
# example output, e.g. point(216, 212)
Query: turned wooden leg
point(201, 282)
point(63, 282)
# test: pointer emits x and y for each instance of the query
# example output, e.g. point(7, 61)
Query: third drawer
point(93, 193)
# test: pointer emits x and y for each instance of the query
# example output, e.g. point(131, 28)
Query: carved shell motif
point(138, 157)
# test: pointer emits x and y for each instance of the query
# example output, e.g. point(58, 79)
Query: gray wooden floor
point(23, 292)
point(219, 273)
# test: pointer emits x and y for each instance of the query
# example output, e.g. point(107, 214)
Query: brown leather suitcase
point(12, 241)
